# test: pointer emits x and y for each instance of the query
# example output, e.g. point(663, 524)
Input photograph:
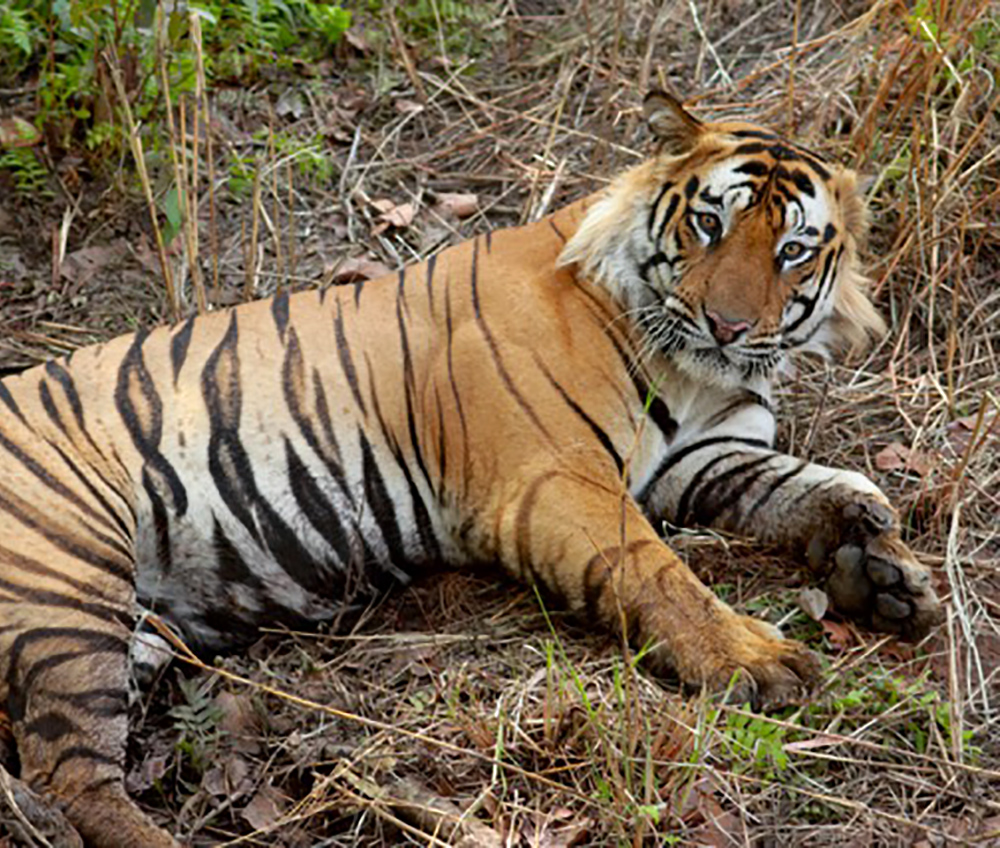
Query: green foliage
point(15, 30)
point(67, 44)
point(198, 724)
point(29, 176)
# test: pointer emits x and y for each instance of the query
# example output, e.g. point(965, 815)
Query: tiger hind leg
point(67, 697)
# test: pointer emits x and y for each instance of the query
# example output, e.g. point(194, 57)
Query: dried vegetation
point(462, 712)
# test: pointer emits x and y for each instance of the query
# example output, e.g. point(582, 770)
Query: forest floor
point(461, 711)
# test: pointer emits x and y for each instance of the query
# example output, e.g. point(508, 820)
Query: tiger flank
point(540, 397)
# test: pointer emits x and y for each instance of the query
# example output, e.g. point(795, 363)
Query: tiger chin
point(540, 398)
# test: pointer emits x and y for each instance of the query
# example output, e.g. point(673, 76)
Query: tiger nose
point(724, 329)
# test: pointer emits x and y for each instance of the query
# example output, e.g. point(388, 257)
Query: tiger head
point(729, 248)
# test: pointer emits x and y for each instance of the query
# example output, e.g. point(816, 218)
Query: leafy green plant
point(29, 176)
point(198, 723)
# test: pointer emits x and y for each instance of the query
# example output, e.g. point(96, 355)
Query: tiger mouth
point(676, 336)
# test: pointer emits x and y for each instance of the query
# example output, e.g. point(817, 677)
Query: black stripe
point(449, 329)
point(315, 506)
point(691, 187)
point(754, 168)
point(293, 378)
point(421, 516)
point(552, 224)
point(88, 483)
point(179, 343)
point(141, 410)
point(494, 348)
point(809, 304)
point(773, 487)
point(85, 752)
point(601, 435)
point(50, 727)
point(232, 470)
point(488, 235)
point(333, 464)
point(677, 456)
point(803, 183)
point(9, 401)
point(161, 523)
point(656, 205)
point(346, 362)
point(737, 482)
point(358, 288)
point(106, 702)
point(429, 279)
point(47, 598)
point(409, 391)
point(33, 566)
point(17, 688)
point(56, 372)
point(39, 471)
point(680, 517)
point(658, 411)
point(122, 570)
point(279, 312)
point(744, 399)
point(378, 500)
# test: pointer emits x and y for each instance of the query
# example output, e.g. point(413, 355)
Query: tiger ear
point(849, 191)
point(677, 130)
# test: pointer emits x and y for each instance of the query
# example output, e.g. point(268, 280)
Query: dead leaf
point(813, 602)
point(392, 215)
point(457, 204)
point(356, 40)
point(228, 779)
point(240, 720)
point(83, 265)
point(356, 268)
point(407, 107)
point(839, 635)
point(897, 456)
point(17, 132)
point(264, 809)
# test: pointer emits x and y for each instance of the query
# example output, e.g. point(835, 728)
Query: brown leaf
point(897, 456)
point(83, 265)
point(839, 635)
point(228, 779)
point(400, 216)
point(264, 809)
point(356, 268)
point(240, 720)
point(407, 107)
point(459, 205)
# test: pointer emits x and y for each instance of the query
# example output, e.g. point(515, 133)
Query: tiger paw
point(871, 575)
point(752, 663)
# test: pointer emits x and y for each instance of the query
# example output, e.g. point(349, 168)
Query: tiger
point(539, 398)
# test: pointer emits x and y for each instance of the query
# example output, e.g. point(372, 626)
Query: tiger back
point(535, 398)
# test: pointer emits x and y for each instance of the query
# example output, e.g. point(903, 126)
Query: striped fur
point(532, 397)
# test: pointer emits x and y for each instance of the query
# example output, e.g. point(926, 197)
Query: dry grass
point(462, 710)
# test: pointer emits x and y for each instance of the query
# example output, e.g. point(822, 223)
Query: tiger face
point(745, 248)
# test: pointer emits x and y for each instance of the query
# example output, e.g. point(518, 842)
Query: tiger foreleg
point(589, 545)
point(839, 521)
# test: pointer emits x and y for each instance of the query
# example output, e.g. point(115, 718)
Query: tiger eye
point(792, 250)
point(709, 223)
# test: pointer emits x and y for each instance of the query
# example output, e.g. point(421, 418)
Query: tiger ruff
point(536, 397)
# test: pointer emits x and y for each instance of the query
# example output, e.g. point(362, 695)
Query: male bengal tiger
point(539, 397)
